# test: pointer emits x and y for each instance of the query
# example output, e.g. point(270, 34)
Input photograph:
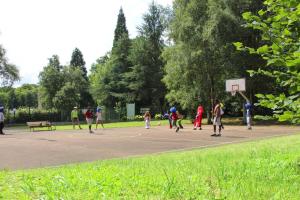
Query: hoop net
point(234, 89)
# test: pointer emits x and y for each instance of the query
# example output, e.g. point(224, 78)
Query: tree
point(50, 80)
point(146, 73)
point(98, 81)
point(69, 95)
point(54, 61)
point(116, 82)
point(27, 95)
point(202, 56)
point(121, 29)
point(78, 61)
point(279, 24)
point(8, 72)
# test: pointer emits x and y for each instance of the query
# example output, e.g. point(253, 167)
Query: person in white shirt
point(1, 120)
point(99, 117)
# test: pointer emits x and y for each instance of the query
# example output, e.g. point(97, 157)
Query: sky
point(32, 31)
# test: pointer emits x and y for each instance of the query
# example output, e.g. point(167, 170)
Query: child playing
point(174, 117)
point(99, 117)
point(198, 118)
point(89, 118)
point(147, 118)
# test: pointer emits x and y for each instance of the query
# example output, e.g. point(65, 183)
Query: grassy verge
point(267, 169)
point(107, 125)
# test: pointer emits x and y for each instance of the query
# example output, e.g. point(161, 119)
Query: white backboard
point(236, 85)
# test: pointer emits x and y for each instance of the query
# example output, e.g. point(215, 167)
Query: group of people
point(175, 118)
point(89, 116)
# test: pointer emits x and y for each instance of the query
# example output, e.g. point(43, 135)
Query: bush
point(23, 115)
point(158, 116)
point(139, 118)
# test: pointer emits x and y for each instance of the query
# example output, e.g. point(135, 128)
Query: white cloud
point(33, 30)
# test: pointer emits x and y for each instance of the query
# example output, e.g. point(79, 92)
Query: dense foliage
point(279, 24)
point(9, 73)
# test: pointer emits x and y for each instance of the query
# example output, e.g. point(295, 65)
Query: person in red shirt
point(174, 118)
point(89, 118)
point(198, 119)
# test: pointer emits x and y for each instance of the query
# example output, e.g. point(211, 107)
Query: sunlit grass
point(267, 169)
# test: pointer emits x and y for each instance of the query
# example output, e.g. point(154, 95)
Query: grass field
point(267, 169)
point(106, 125)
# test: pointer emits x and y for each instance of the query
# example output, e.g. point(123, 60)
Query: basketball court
point(21, 149)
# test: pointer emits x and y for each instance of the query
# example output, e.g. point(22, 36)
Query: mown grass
point(106, 125)
point(267, 169)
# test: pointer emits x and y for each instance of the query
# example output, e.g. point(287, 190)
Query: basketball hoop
point(233, 92)
point(234, 89)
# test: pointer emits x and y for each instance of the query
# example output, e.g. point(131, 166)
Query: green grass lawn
point(267, 169)
point(106, 125)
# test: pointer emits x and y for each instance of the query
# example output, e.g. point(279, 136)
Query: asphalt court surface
point(21, 149)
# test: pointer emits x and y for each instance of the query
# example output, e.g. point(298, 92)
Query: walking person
point(99, 117)
point(75, 117)
point(147, 118)
point(198, 118)
point(89, 118)
point(174, 118)
point(1, 120)
point(217, 118)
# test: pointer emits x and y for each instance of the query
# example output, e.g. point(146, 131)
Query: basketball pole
point(244, 96)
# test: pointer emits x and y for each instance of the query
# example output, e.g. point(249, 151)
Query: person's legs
point(97, 121)
point(215, 127)
point(73, 122)
point(200, 123)
point(78, 122)
point(102, 124)
point(180, 124)
point(1, 128)
point(170, 123)
point(196, 123)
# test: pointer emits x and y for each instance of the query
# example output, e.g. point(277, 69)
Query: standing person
point(198, 118)
point(147, 118)
point(99, 117)
point(75, 118)
point(222, 113)
point(89, 118)
point(1, 120)
point(217, 118)
point(248, 115)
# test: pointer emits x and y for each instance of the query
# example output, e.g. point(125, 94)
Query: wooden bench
point(40, 124)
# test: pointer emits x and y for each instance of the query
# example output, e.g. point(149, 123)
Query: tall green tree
point(116, 82)
point(9, 73)
point(121, 28)
point(78, 61)
point(279, 24)
point(146, 86)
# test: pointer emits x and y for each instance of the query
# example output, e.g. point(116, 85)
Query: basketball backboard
point(236, 85)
